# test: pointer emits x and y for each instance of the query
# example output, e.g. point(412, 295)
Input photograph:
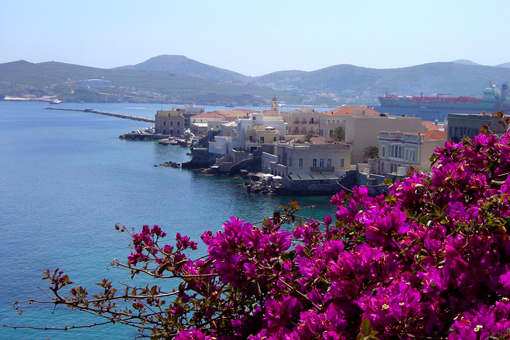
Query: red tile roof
point(347, 110)
point(432, 134)
point(234, 113)
point(207, 115)
point(431, 126)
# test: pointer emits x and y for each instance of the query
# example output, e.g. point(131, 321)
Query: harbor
point(112, 114)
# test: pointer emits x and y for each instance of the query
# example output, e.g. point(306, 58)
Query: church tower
point(274, 104)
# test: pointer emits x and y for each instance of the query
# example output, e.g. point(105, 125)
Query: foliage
point(339, 134)
point(431, 260)
point(187, 136)
point(58, 78)
point(370, 152)
point(308, 137)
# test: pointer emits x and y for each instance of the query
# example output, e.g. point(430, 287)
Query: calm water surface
point(66, 179)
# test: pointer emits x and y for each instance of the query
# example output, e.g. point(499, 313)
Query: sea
point(66, 179)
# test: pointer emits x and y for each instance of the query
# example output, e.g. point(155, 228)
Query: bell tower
point(274, 104)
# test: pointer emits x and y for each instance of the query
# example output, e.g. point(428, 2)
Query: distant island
point(177, 79)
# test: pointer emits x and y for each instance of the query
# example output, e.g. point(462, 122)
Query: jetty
point(112, 114)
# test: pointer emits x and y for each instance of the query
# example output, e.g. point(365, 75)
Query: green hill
point(60, 79)
point(178, 79)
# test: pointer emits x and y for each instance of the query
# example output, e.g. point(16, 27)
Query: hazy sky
point(256, 37)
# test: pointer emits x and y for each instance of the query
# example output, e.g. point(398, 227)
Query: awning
point(330, 176)
point(294, 177)
point(306, 177)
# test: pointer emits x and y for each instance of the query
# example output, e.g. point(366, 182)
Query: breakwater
point(112, 114)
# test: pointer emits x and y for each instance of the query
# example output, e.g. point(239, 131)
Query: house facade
point(331, 120)
point(399, 151)
point(249, 134)
point(169, 122)
point(308, 159)
point(363, 131)
point(302, 122)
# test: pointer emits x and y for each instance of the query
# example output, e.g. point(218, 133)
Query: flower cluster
point(429, 260)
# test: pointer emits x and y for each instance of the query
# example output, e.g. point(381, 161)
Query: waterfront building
point(169, 122)
point(249, 134)
point(200, 123)
point(308, 167)
point(399, 151)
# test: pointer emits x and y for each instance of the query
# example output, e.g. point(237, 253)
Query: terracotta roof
point(347, 110)
point(207, 115)
point(432, 134)
point(431, 126)
point(234, 113)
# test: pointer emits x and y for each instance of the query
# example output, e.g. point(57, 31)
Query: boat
point(438, 107)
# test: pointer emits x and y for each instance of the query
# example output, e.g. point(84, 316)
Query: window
point(178, 123)
point(330, 133)
point(342, 162)
point(328, 163)
point(383, 151)
point(314, 162)
point(321, 162)
point(262, 139)
point(164, 122)
point(171, 122)
point(301, 162)
point(274, 139)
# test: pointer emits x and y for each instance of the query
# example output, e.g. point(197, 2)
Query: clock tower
point(274, 104)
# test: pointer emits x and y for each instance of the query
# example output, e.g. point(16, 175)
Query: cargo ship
point(438, 107)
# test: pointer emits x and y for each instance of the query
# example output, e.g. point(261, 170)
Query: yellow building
point(302, 122)
point(169, 123)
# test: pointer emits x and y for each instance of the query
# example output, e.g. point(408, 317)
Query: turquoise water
point(66, 179)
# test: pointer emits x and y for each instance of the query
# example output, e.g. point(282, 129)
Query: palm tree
point(339, 134)
point(308, 137)
point(370, 152)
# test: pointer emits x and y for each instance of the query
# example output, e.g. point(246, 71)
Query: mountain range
point(173, 78)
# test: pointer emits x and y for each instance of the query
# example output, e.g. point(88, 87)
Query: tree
point(339, 134)
point(308, 137)
point(431, 260)
point(370, 152)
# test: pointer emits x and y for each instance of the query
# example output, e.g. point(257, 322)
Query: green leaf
point(366, 327)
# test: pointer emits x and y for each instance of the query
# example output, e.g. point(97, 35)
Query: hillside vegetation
point(179, 79)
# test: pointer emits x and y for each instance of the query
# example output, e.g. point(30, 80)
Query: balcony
point(323, 168)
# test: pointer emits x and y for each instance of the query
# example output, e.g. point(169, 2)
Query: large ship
point(438, 107)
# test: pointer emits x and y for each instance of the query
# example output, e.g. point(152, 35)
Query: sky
point(256, 37)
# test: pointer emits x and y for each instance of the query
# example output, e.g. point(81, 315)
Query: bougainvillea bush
point(430, 260)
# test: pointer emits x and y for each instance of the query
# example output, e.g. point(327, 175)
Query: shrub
point(431, 260)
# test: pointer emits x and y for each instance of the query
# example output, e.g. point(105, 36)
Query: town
point(306, 151)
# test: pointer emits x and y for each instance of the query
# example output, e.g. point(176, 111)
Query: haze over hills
point(179, 79)
point(127, 85)
point(181, 65)
point(460, 77)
